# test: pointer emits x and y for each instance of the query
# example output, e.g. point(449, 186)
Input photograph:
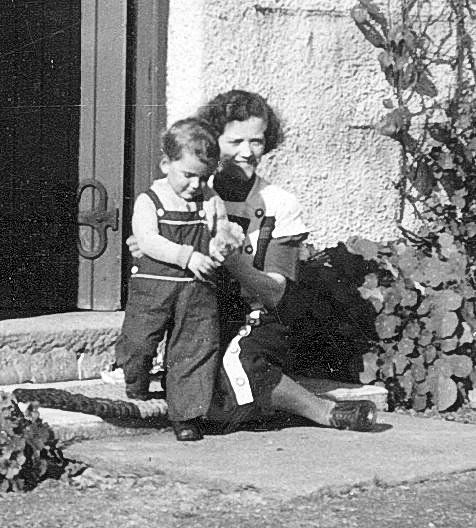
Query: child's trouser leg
point(149, 308)
point(192, 352)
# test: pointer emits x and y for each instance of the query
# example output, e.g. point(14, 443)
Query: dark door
point(40, 67)
point(62, 107)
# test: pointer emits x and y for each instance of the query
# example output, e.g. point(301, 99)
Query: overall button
point(249, 249)
point(201, 213)
point(259, 212)
point(160, 212)
point(134, 270)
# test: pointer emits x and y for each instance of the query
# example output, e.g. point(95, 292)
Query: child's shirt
point(145, 227)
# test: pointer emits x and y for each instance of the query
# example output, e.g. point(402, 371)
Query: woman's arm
point(266, 287)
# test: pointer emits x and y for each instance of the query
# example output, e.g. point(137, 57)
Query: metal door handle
point(99, 218)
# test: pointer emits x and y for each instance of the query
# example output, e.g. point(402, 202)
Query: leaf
point(424, 181)
point(412, 330)
point(444, 367)
point(375, 13)
point(425, 86)
point(406, 346)
point(372, 34)
point(439, 132)
point(433, 272)
point(419, 402)
point(425, 337)
point(449, 345)
point(392, 298)
point(401, 363)
point(423, 387)
point(447, 244)
point(363, 247)
point(390, 267)
point(462, 365)
point(448, 324)
point(359, 14)
point(387, 369)
point(448, 300)
point(418, 372)
point(447, 393)
point(471, 229)
point(371, 281)
point(394, 122)
point(467, 335)
point(409, 298)
point(369, 373)
point(430, 354)
point(408, 77)
point(386, 325)
point(406, 382)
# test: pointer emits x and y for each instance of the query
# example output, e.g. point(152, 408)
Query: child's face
point(187, 176)
point(243, 143)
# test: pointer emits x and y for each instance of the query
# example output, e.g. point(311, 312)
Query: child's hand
point(201, 266)
point(134, 247)
point(229, 238)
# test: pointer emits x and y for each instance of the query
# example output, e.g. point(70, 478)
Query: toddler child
point(170, 289)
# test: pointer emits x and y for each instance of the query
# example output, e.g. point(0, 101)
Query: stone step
point(76, 425)
point(49, 348)
point(80, 345)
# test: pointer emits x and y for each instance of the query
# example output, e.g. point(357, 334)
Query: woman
point(255, 293)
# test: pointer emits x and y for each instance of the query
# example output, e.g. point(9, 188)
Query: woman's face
point(242, 144)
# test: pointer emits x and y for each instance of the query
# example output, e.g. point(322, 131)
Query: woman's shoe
point(187, 431)
point(358, 415)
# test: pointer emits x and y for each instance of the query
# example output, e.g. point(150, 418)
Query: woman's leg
point(357, 415)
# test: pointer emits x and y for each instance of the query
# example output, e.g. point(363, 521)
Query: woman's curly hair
point(240, 105)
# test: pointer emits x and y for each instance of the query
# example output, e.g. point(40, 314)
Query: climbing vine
point(424, 288)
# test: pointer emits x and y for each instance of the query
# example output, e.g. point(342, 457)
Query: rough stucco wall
point(315, 68)
point(185, 58)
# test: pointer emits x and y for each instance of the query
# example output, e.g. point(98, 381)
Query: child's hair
point(240, 105)
point(194, 136)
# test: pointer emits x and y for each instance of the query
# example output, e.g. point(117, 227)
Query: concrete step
point(58, 347)
point(72, 425)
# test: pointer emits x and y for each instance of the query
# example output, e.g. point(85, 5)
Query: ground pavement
point(294, 460)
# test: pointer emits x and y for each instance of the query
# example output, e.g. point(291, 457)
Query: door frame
point(123, 110)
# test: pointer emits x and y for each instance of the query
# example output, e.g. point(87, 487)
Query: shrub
point(425, 323)
point(29, 452)
point(423, 290)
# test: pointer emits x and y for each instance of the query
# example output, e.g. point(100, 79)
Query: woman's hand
point(201, 266)
point(228, 240)
point(134, 247)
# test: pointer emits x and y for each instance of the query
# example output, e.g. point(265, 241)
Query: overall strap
point(153, 196)
point(264, 238)
point(158, 204)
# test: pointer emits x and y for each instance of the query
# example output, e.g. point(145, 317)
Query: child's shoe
point(187, 430)
point(358, 415)
point(137, 386)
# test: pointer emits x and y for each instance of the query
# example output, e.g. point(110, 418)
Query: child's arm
point(150, 242)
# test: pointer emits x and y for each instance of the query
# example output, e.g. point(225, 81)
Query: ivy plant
point(423, 291)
